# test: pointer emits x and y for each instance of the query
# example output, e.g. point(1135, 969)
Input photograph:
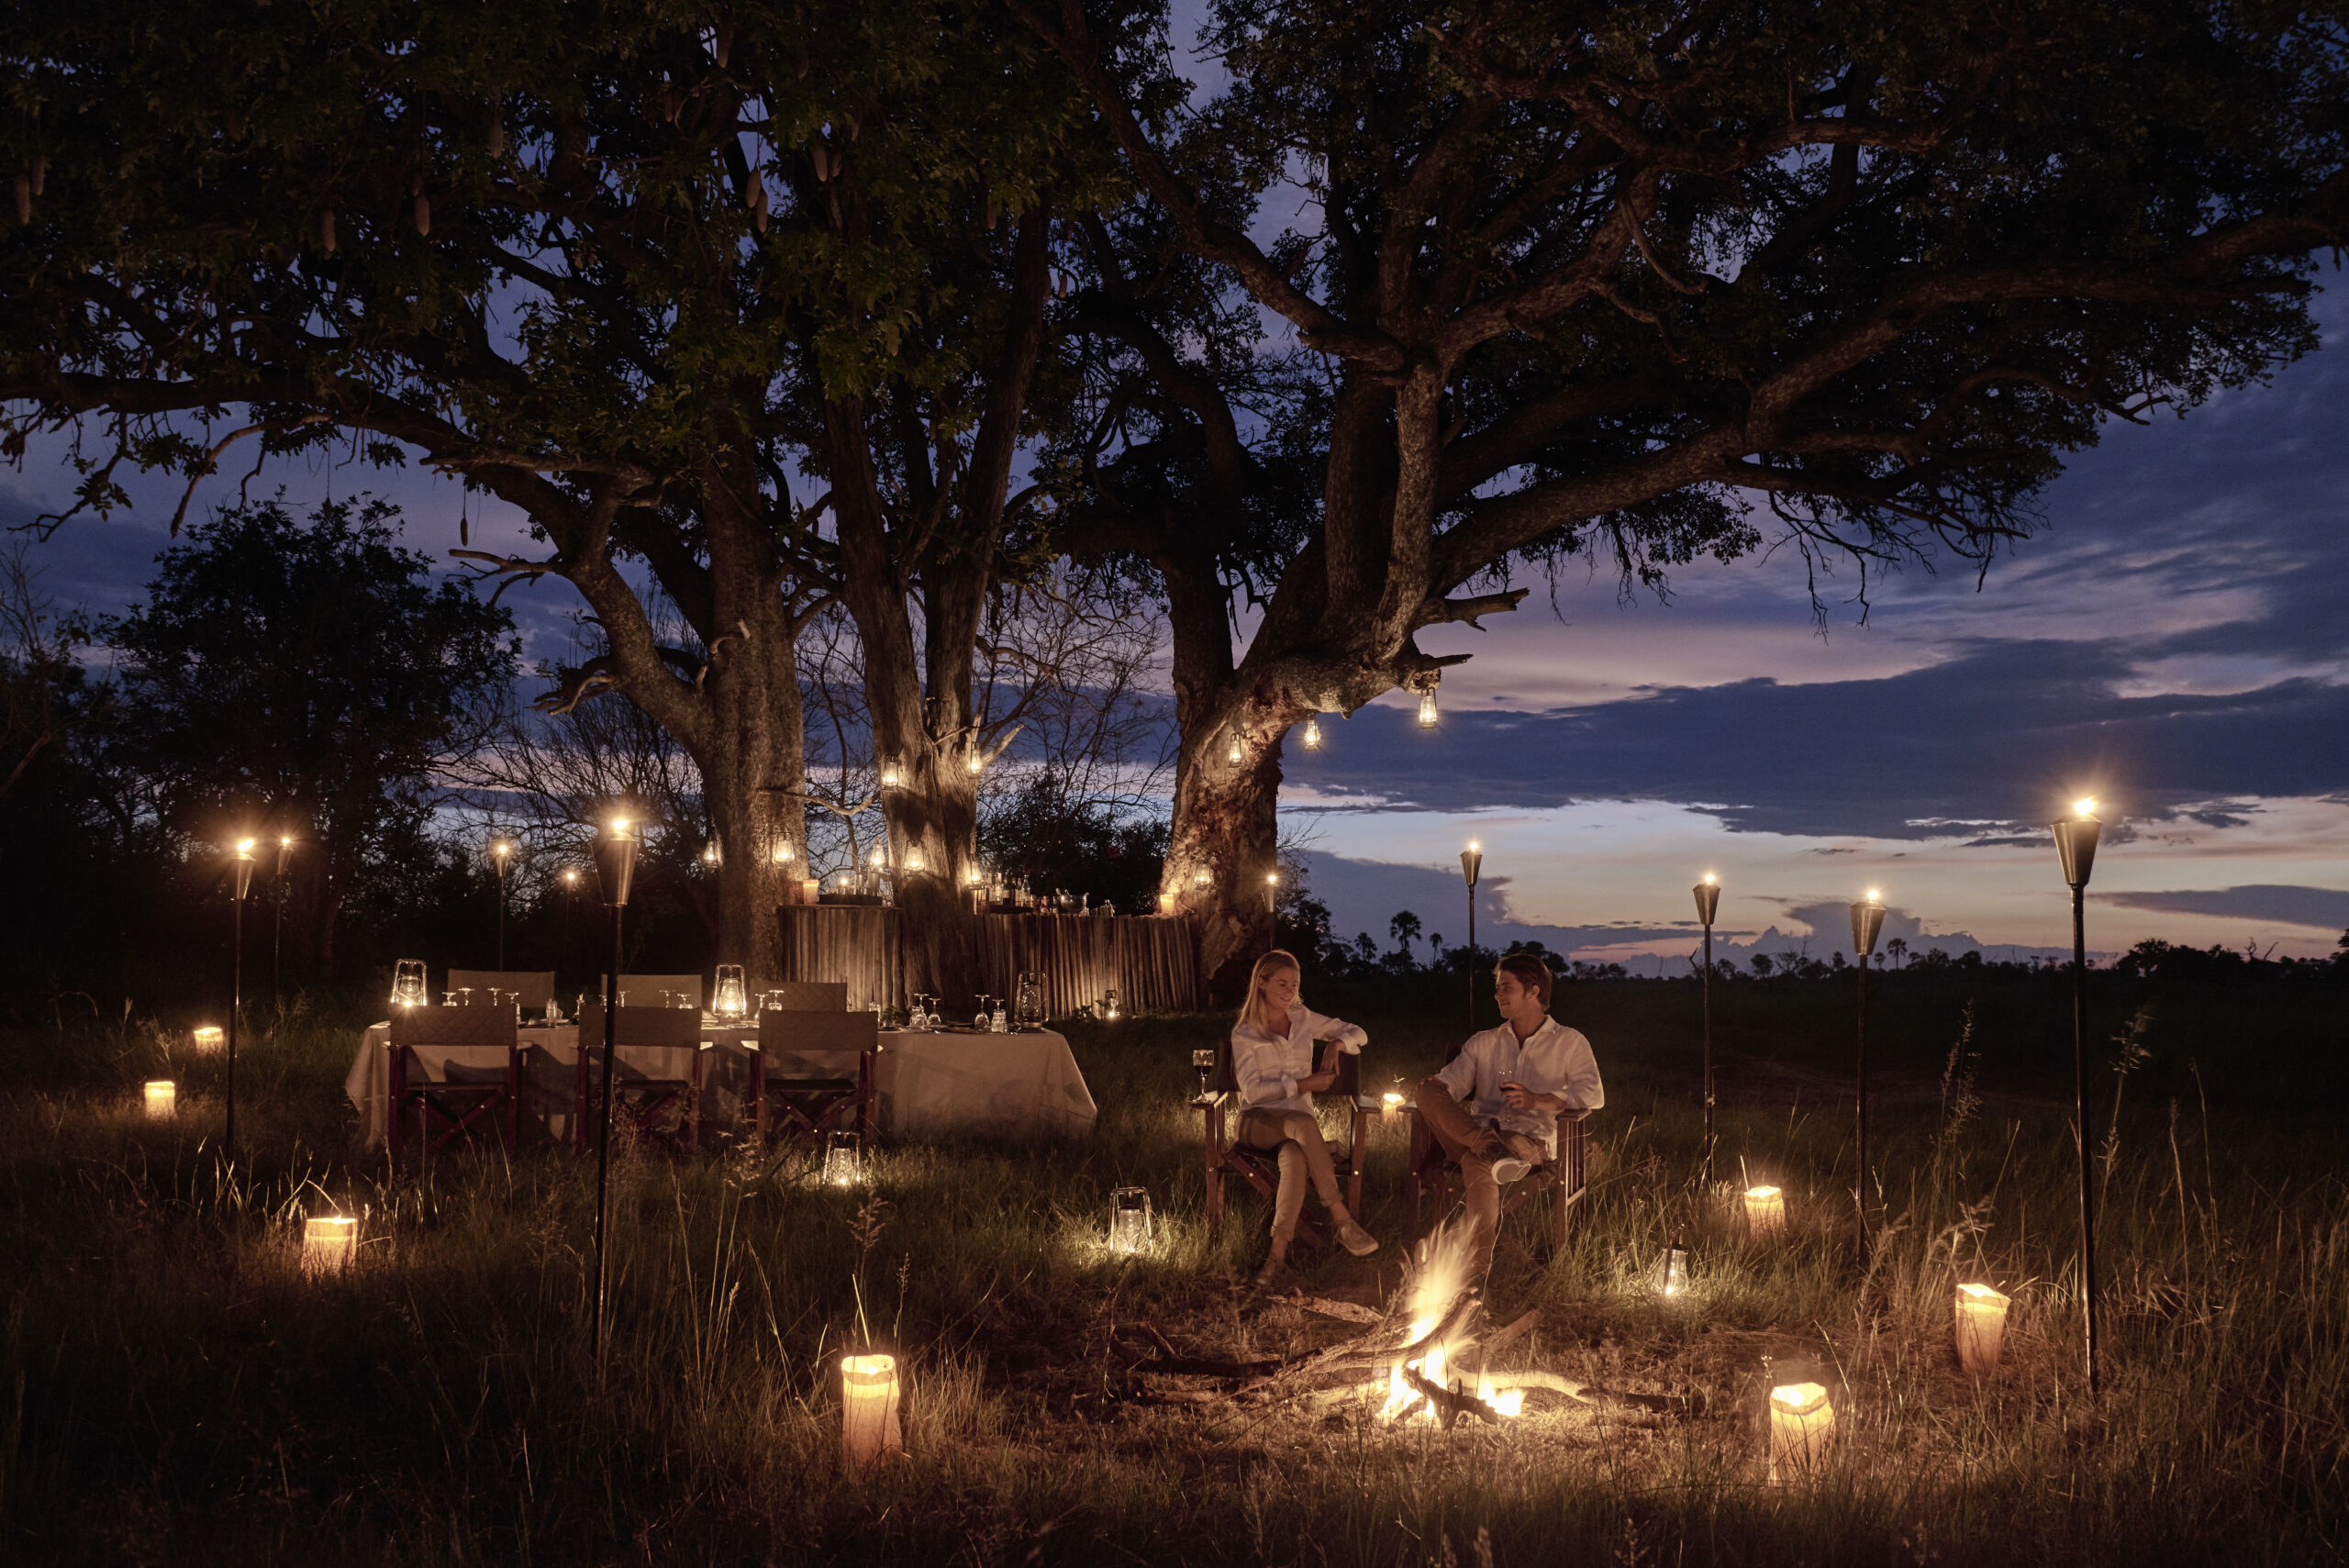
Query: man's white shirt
point(1268, 1066)
point(1555, 1059)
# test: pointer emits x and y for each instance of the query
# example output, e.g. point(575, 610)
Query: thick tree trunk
point(1224, 844)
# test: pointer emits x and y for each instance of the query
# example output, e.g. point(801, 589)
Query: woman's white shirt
point(1268, 1065)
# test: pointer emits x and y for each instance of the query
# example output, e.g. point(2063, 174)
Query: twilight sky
point(2173, 641)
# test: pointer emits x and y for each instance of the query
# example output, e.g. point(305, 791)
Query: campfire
point(1424, 1359)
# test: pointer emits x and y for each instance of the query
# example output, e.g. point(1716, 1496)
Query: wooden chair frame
point(1260, 1168)
point(639, 1098)
point(459, 1104)
point(803, 1108)
point(1428, 1171)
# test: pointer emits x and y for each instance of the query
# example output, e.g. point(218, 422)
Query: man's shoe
point(1268, 1277)
point(1510, 1168)
point(1357, 1240)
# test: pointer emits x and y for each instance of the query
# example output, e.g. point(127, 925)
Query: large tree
point(1610, 278)
point(305, 678)
point(600, 263)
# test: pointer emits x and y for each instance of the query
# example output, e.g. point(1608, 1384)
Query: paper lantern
point(163, 1102)
point(1390, 1107)
point(1765, 1212)
point(209, 1037)
point(1802, 1425)
point(869, 1430)
point(844, 1160)
point(1981, 1323)
point(1130, 1220)
point(329, 1243)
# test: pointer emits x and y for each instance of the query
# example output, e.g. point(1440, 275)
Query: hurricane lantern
point(1235, 753)
point(728, 998)
point(1130, 1230)
point(1981, 1323)
point(1669, 1278)
point(869, 1430)
point(1427, 714)
point(1312, 733)
point(844, 1160)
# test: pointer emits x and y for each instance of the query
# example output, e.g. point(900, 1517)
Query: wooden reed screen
point(1151, 960)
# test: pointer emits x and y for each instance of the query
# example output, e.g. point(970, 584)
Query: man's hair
point(1529, 972)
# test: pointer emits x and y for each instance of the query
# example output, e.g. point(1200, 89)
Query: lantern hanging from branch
point(1766, 1213)
point(784, 853)
point(162, 1099)
point(1235, 753)
point(844, 1160)
point(329, 1242)
point(869, 1431)
point(1981, 1325)
point(1130, 1230)
point(1802, 1425)
point(1313, 734)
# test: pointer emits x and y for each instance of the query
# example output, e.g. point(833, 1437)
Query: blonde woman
point(1272, 1056)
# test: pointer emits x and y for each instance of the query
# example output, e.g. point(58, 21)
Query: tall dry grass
point(174, 1390)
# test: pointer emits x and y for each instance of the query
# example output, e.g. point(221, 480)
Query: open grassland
point(172, 1390)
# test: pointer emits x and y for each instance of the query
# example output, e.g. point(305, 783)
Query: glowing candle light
point(730, 999)
point(869, 1431)
point(1765, 1212)
point(1234, 753)
point(208, 1037)
point(783, 853)
point(1313, 734)
point(1427, 715)
point(1166, 904)
point(1802, 1425)
point(1981, 1323)
point(329, 1242)
point(844, 1160)
point(976, 764)
point(1669, 1278)
point(1390, 1107)
point(916, 861)
point(162, 1099)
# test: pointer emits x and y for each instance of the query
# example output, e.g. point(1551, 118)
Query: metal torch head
point(241, 863)
point(285, 851)
point(1868, 924)
point(616, 849)
point(1709, 901)
point(1472, 860)
point(2075, 840)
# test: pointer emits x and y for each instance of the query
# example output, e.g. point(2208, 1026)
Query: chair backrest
point(833, 1037)
point(656, 1026)
point(536, 986)
point(452, 1026)
point(644, 990)
point(807, 996)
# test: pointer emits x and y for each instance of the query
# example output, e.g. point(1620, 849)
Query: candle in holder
point(1765, 1212)
point(810, 890)
point(1390, 1107)
point(207, 1039)
point(869, 1430)
point(162, 1099)
point(329, 1243)
point(1166, 904)
point(1981, 1323)
point(1802, 1425)
point(844, 1160)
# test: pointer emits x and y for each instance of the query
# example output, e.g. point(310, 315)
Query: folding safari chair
point(814, 1067)
point(460, 1065)
point(1260, 1167)
point(1427, 1173)
point(661, 1064)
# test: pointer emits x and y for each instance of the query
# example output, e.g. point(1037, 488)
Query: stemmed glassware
point(986, 1013)
point(1202, 1060)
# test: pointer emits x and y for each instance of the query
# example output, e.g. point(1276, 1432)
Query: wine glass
point(1202, 1060)
point(986, 1013)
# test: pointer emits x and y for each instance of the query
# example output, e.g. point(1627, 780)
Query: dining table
point(1020, 1085)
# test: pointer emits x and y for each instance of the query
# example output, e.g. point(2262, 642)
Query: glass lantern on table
point(1030, 1001)
point(407, 983)
point(729, 1000)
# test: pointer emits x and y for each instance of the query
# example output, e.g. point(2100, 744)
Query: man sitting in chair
point(1518, 1079)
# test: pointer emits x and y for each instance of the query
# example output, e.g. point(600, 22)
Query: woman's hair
point(1271, 962)
point(1529, 971)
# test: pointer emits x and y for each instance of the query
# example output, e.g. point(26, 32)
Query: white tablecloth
point(1024, 1086)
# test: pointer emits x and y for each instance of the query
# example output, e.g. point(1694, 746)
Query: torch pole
point(1469, 964)
point(604, 1144)
point(2080, 1124)
point(236, 1006)
point(1706, 1177)
point(1860, 1188)
point(277, 936)
point(501, 914)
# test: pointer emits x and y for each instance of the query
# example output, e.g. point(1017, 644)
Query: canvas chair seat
point(814, 1069)
point(462, 1066)
point(1220, 1109)
point(1428, 1174)
point(660, 1065)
